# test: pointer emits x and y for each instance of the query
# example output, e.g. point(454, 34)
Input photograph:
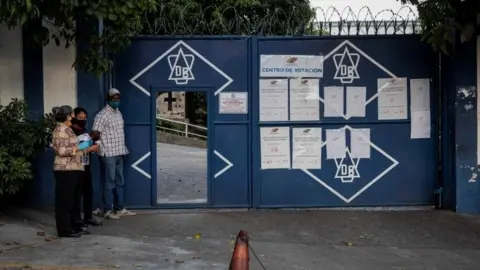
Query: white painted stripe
point(228, 166)
point(59, 76)
point(11, 65)
point(135, 165)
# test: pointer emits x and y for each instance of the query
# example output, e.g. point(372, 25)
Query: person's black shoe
point(93, 222)
point(71, 234)
point(81, 230)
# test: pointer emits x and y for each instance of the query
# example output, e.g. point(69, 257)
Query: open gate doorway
point(181, 146)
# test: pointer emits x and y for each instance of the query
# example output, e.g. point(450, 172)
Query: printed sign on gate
point(310, 66)
point(233, 103)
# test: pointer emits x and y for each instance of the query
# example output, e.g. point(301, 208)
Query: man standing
point(108, 126)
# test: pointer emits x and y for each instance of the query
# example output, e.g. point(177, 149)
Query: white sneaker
point(97, 212)
point(111, 215)
point(125, 212)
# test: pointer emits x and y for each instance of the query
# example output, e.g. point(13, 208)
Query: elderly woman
point(68, 171)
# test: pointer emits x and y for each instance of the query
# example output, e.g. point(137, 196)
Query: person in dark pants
point(78, 126)
point(68, 171)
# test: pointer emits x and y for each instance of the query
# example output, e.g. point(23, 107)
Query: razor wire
point(217, 20)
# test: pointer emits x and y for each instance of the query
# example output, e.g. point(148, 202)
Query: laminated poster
point(307, 148)
point(304, 103)
point(275, 147)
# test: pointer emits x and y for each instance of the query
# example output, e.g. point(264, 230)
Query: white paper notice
point(275, 147)
point(273, 100)
point(291, 66)
point(392, 99)
point(307, 148)
point(304, 103)
point(420, 125)
point(333, 101)
point(336, 143)
point(419, 94)
point(233, 102)
point(356, 99)
point(360, 143)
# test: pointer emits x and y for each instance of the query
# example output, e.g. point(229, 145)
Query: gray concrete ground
point(181, 174)
point(293, 240)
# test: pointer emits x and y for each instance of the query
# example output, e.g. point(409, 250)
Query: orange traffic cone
point(240, 257)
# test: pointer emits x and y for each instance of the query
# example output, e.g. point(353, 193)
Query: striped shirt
point(64, 142)
point(109, 122)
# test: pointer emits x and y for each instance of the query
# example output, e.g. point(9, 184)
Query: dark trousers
point(67, 196)
point(87, 193)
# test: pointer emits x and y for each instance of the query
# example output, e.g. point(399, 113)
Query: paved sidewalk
point(181, 174)
point(293, 240)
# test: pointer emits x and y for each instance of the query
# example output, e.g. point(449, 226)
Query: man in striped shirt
point(109, 127)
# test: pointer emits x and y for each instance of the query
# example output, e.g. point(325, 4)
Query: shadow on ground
point(282, 240)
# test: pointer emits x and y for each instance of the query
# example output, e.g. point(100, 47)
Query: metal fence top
point(221, 20)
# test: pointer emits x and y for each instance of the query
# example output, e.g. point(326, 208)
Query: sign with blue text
point(304, 66)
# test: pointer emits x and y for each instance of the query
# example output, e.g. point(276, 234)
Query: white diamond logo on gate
point(353, 60)
point(185, 70)
point(347, 172)
point(369, 184)
point(346, 64)
point(181, 65)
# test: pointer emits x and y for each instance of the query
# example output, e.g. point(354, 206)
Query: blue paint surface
point(464, 77)
point(410, 183)
point(236, 137)
point(228, 134)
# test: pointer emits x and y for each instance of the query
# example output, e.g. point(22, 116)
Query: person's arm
point(95, 135)
point(98, 127)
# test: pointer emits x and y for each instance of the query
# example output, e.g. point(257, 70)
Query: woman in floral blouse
point(68, 170)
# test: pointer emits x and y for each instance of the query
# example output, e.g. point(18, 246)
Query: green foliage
point(20, 139)
point(121, 19)
point(196, 108)
point(441, 18)
point(125, 18)
point(170, 125)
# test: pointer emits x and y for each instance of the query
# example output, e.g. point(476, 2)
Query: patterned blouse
point(64, 143)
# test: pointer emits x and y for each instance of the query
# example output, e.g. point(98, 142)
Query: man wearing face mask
point(79, 128)
point(108, 125)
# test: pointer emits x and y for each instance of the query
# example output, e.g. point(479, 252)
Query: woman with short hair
point(68, 170)
point(79, 128)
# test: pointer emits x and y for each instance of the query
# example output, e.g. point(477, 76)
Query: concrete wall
point(44, 78)
point(11, 65)
point(163, 137)
point(59, 77)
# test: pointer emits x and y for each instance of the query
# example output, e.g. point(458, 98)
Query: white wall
point(11, 65)
point(59, 77)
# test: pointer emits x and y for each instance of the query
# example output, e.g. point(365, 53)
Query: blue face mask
point(114, 104)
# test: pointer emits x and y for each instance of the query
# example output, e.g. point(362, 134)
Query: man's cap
point(113, 92)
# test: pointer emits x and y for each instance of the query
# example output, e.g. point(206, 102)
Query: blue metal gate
point(145, 69)
point(396, 166)
point(398, 170)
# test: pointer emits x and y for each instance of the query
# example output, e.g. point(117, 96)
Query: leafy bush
point(20, 139)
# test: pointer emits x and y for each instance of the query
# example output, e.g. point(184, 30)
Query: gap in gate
point(182, 143)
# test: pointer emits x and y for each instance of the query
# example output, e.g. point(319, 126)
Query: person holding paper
point(68, 171)
point(78, 126)
point(108, 124)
